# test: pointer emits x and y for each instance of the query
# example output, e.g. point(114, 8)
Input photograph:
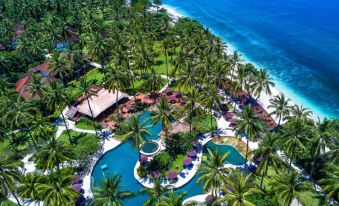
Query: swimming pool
point(234, 156)
point(121, 160)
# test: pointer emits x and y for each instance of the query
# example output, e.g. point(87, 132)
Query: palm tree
point(98, 46)
point(267, 153)
point(237, 189)
point(53, 154)
point(330, 182)
point(249, 124)
point(321, 141)
point(213, 172)
point(293, 136)
point(56, 189)
point(57, 99)
point(116, 79)
point(172, 198)
point(212, 101)
point(19, 115)
point(193, 98)
point(164, 115)
point(110, 192)
point(9, 174)
point(28, 187)
point(156, 193)
point(85, 87)
point(137, 132)
point(5, 87)
point(281, 106)
point(288, 187)
point(235, 61)
point(301, 112)
point(262, 82)
point(58, 66)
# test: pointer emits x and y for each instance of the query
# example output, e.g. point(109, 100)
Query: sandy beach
point(264, 99)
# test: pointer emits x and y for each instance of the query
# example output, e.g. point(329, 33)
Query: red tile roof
point(20, 85)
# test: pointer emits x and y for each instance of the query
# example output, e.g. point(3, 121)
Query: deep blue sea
point(296, 40)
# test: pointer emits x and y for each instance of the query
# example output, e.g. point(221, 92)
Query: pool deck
point(189, 174)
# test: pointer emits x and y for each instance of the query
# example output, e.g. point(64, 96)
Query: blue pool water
point(234, 156)
point(296, 40)
point(121, 160)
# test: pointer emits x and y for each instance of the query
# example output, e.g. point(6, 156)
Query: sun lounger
point(182, 175)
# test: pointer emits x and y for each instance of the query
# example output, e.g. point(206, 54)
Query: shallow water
point(296, 40)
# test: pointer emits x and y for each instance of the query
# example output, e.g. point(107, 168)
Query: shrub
point(86, 146)
point(179, 143)
point(142, 172)
point(161, 162)
point(259, 199)
point(14, 63)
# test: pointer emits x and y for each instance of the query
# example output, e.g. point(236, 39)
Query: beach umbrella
point(187, 161)
point(171, 99)
point(155, 174)
point(209, 198)
point(76, 187)
point(229, 115)
point(229, 188)
point(76, 179)
point(168, 91)
point(192, 153)
point(172, 175)
point(143, 160)
point(177, 94)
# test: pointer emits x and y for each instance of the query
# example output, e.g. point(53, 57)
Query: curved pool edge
point(108, 145)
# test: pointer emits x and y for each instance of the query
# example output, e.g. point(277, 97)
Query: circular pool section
point(149, 148)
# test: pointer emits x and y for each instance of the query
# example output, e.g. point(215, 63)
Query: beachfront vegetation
point(139, 51)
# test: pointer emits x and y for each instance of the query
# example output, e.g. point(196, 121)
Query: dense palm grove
point(128, 41)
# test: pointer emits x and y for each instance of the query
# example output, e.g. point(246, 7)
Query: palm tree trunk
point(13, 140)
point(290, 164)
point(263, 175)
point(166, 63)
point(313, 165)
point(67, 130)
point(13, 193)
point(246, 158)
point(30, 135)
point(279, 120)
point(90, 109)
point(191, 111)
point(117, 105)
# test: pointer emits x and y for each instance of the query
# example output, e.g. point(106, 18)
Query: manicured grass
point(7, 203)
point(308, 198)
point(160, 68)
point(95, 74)
point(84, 144)
point(178, 164)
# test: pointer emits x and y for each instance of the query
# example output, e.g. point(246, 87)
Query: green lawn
point(308, 198)
point(160, 68)
point(84, 144)
point(178, 164)
point(7, 203)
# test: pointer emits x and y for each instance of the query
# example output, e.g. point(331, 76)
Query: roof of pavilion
point(102, 100)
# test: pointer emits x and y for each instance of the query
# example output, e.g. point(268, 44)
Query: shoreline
point(279, 87)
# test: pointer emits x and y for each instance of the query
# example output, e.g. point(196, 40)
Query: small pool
point(149, 148)
point(234, 156)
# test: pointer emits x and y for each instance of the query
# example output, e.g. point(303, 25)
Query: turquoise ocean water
point(296, 40)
